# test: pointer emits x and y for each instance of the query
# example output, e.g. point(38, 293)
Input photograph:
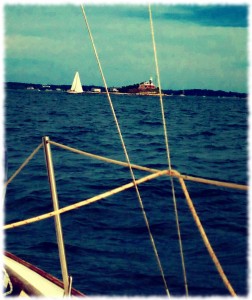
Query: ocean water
point(107, 245)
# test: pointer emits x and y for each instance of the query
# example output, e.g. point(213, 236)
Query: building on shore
point(95, 90)
point(147, 86)
point(113, 90)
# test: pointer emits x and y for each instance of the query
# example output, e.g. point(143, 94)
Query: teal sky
point(198, 46)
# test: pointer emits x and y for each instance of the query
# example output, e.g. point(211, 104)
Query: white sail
point(76, 85)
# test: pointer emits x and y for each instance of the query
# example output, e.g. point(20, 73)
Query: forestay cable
point(168, 151)
point(126, 153)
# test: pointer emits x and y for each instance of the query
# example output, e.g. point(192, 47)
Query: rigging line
point(168, 152)
point(172, 172)
point(85, 202)
point(126, 153)
point(205, 238)
point(21, 167)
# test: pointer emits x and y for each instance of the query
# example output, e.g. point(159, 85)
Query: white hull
point(73, 92)
point(28, 280)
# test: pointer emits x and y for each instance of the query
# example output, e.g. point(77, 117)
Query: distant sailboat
point(76, 87)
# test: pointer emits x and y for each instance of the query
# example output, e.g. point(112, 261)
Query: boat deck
point(27, 280)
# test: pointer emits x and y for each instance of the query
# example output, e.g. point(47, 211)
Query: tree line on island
point(129, 89)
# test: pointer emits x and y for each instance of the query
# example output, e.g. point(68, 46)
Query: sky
point(198, 46)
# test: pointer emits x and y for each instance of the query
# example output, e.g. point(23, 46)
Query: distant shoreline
point(123, 90)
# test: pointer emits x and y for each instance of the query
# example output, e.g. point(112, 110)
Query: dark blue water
point(107, 245)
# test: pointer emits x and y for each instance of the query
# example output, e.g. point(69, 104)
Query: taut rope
point(20, 168)
point(173, 172)
point(157, 173)
point(205, 239)
point(85, 202)
point(23, 165)
point(126, 154)
point(168, 152)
